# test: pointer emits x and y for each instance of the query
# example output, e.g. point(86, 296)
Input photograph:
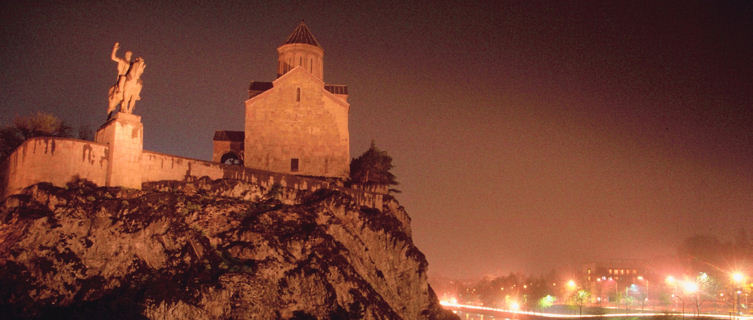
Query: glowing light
point(645, 315)
point(670, 280)
point(738, 277)
point(689, 286)
point(451, 301)
point(571, 284)
point(547, 301)
point(514, 305)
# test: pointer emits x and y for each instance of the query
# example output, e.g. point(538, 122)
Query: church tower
point(298, 124)
point(301, 49)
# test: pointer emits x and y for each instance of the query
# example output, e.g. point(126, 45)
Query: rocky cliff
point(207, 250)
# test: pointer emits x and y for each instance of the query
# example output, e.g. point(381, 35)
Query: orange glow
point(689, 286)
point(738, 277)
point(646, 315)
point(571, 284)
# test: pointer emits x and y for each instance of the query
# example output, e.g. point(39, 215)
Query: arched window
point(231, 158)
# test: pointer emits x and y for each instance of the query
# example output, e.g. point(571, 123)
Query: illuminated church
point(296, 124)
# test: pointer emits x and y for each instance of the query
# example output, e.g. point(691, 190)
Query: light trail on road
point(606, 315)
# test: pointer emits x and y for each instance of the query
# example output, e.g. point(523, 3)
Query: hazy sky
point(526, 135)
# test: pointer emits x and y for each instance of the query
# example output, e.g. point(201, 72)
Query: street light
point(670, 281)
point(738, 278)
point(689, 287)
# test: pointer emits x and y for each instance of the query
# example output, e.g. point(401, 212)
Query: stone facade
point(296, 124)
point(124, 136)
point(298, 127)
point(53, 160)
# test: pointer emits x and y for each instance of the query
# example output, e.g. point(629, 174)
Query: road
point(478, 312)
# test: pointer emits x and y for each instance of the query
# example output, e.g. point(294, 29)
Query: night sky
point(526, 136)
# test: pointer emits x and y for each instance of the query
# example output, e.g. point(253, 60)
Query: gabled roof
point(302, 34)
point(258, 87)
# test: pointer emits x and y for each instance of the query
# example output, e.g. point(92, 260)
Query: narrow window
point(298, 94)
point(311, 65)
point(300, 61)
point(294, 165)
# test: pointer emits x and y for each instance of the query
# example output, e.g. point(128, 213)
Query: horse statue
point(131, 91)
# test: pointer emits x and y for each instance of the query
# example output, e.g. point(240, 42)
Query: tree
point(39, 124)
point(372, 167)
point(546, 302)
point(580, 298)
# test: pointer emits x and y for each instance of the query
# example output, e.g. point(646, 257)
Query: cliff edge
point(204, 249)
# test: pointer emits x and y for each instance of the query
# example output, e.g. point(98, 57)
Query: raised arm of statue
point(123, 63)
point(115, 48)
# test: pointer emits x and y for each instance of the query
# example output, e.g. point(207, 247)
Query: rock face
point(207, 250)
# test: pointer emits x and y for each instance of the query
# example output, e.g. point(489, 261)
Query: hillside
point(207, 249)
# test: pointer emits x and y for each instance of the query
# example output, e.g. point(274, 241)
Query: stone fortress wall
point(53, 160)
point(62, 160)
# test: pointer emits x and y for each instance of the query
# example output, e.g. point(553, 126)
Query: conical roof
point(302, 34)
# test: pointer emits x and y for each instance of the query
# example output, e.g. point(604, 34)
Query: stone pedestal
point(124, 135)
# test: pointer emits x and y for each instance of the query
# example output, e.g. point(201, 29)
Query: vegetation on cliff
point(373, 167)
point(205, 250)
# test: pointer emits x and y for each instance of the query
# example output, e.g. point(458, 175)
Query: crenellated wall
point(61, 160)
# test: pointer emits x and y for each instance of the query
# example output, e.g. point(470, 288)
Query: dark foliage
point(39, 124)
point(373, 167)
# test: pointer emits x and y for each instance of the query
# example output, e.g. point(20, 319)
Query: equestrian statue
point(127, 88)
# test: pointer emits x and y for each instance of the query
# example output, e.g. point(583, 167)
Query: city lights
point(647, 315)
point(571, 284)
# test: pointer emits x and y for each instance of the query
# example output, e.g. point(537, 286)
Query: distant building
point(608, 280)
point(296, 124)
